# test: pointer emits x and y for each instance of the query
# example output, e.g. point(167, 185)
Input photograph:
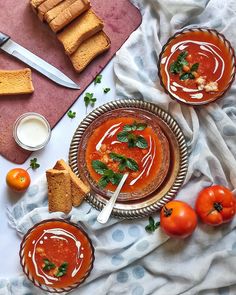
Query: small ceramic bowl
point(31, 131)
point(53, 246)
point(197, 66)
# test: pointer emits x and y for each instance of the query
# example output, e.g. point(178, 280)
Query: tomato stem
point(216, 206)
point(167, 211)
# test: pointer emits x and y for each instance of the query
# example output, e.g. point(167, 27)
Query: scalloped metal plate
point(179, 160)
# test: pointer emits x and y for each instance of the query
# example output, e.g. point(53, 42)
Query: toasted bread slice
point(16, 82)
point(59, 191)
point(46, 6)
point(78, 188)
point(89, 49)
point(35, 4)
point(69, 14)
point(79, 30)
point(51, 14)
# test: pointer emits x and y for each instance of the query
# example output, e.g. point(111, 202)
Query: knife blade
point(35, 62)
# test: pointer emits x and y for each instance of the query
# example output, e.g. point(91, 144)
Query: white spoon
point(107, 209)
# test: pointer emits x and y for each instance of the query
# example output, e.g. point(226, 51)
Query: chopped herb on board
point(98, 79)
point(124, 162)
point(48, 265)
point(89, 99)
point(34, 164)
point(62, 269)
point(108, 175)
point(152, 226)
point(71, 114)
point(106, 90)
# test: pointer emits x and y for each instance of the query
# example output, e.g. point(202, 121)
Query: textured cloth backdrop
point(129, 260)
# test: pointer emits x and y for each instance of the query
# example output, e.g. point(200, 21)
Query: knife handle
point(3, 38)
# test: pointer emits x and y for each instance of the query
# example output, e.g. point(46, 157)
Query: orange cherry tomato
point(215, 205)
point(178, 219)
point(18, 179)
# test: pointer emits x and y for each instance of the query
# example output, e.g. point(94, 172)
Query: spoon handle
point(106, 211)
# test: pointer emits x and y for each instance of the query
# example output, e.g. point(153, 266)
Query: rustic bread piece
point(51, 14)
point(16, 82)
point(46, 6)
point(59, 191)
point(79, 30)
point(69, 14)
point(89, 49)
point(78, 188)
point(35, 4)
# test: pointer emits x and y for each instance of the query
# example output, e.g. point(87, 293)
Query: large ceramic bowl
point(197, 66)
point(56, 255)
point(151, 178)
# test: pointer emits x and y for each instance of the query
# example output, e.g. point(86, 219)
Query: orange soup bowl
point(196, 66)
point(56, 255)
point(125, 140)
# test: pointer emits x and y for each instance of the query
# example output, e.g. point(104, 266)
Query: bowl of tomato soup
point(197, 66)
point(56, 255)
point(124, 140)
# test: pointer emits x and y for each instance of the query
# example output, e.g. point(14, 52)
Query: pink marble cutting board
point(17, 19)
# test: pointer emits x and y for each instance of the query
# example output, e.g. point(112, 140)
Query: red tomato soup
point(196, 66)
point(115, 145)
point(57, 254)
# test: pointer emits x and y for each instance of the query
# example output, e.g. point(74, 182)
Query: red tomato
point(216, 205)
point(18, 179)
point(178, 219)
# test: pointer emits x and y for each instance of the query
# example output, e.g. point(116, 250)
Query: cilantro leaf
point(106, 90)
point(184, 76)
point(194, 67)
point(62, 269)
point(48, 265)
point(34, 164)
point(98, 79)
point(177, 66)
point(89, 99)
point(152, 226)
point(71, 114)
point(99, 167)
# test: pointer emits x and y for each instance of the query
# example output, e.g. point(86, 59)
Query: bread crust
point(82, 28)
point(59, 191)
point(51, 14)
point(89, 49)
point(14, 82)
point(46, 6)
point(78, 188)
point(69, 14)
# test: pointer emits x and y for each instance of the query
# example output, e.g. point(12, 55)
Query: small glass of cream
point(31, 131)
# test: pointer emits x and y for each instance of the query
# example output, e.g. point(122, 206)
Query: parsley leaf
point(34, 164)
point(106, 90)
point(89, 99)
point(98, 79)
point(194, 67)
point(62, 269)
point(152, 226)
point(48, 265)
point(177, 66)
point(71, 114)
point(124, 162)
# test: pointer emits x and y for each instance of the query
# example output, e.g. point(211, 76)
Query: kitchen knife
point(12, 48)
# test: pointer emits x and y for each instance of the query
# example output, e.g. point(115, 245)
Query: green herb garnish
point(71, 114)
point(62, 269)
point(177, 66)
point(48, 265)
point(133, 140)
point(124, 162)
point(152, 226)
point(105, 90)
point(89, 99)
point(108, 175)
point(98, 79)
point(34, 164)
